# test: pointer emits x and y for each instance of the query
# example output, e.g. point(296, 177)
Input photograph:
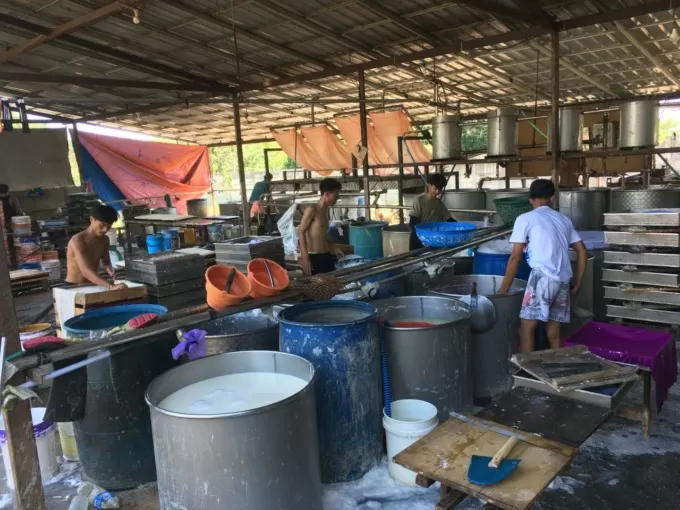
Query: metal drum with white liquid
point(237, 431)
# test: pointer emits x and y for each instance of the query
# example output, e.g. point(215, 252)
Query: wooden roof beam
point(63, 29)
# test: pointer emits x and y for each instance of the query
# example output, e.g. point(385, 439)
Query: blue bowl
point(445, 234)
point(107, 318)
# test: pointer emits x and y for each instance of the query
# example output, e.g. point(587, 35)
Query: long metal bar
point(198, 101)
point(555, 108)
point(364, 141)
point(400, 183)
point(241, 166)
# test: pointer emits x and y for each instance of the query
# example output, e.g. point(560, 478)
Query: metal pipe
point(364, 141)
point(555, 104)
point(241, 165)
point(400, 183)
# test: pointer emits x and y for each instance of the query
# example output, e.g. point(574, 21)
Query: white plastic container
point(411, 419)
point(46, 440)
point(21, 225)
point(53, 267)
point(68, 441)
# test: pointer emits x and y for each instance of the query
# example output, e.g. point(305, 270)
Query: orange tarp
point(148, 169)
point(314, 148)
point(390, 126)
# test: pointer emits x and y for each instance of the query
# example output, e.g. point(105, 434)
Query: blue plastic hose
point(387, 395)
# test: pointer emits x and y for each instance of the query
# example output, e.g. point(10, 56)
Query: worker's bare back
point(316, 232)
point(92, 250)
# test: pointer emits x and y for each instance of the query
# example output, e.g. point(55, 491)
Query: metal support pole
point(213, 193)
point(354, 166)
point(364, 141)
point(555, 108)
point(400, 184)
point(75, 142)
point(241, 166)
point(23, 453)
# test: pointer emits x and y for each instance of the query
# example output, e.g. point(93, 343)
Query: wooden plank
point(110, 296)
point(23, 454)
point(445, 453)
point(450, 500)
point(63, 29)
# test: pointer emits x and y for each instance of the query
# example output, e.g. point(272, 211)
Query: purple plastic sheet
point(649, 348)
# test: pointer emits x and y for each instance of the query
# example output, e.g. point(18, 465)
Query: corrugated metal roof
point(199, 40)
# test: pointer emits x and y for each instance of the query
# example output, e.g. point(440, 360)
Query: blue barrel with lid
point(114, 435)
point(340, 338)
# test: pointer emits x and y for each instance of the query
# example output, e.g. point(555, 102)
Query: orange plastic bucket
point(216, 282)
point(261, 283)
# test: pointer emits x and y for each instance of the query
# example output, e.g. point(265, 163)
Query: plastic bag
point(288, 232)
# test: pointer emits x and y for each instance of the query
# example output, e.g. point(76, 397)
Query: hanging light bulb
point(135, 17)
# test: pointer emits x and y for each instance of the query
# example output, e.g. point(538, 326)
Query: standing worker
point(547, 235)
point(318, 253)
point(262, 187)
point(428, 207)
point(88, 248)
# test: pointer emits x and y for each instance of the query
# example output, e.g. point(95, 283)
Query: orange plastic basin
point(261, 283)
point(216, 282)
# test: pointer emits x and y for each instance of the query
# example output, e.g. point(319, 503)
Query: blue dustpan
point(480, 473)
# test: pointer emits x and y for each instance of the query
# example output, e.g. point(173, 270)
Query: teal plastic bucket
point(154, 243)
point(80, 326)
point(367, 238)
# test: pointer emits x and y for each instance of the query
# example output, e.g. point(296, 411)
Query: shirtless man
point(91, 246)
point(318, 252)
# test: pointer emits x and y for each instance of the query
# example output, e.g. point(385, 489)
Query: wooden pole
point(23, 453)
point(241, 166)
point(555, 108)
point(364, 141)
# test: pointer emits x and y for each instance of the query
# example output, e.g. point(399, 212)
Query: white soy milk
point(233, 393)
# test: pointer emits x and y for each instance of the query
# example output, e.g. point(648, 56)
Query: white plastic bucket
point(45, 438)
point(21, 224)
point(410, 420)
point(53, 267)
point(68, 441)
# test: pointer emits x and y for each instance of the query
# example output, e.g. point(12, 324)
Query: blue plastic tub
point(170, 239)
point(154, 243)
point(367, 238)
point(445, 234)
point(496, 263)
point(340, 338)
point(107, 318)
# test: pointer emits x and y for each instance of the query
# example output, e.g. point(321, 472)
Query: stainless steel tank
point(491, 351)
point(502, 132)
point(586, 208)
point(465, 199)
point(571, 130)
point(197, 207)
point(267, 457)
point(229, 209)
point(649, 197)
point(395, 239)
point(639, 124)
point(586, 296)
point(446, 137)
point(246, 331)
point(430, 363)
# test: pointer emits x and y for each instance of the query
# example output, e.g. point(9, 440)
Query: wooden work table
point(554, 427)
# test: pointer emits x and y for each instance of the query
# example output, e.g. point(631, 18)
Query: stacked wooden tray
point(642, 266)
point(238, 252)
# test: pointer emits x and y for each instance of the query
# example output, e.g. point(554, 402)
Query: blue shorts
point(545, 299)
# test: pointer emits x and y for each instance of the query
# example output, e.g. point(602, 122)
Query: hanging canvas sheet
point(140, 169)
point(314, 148)
point(38, 159)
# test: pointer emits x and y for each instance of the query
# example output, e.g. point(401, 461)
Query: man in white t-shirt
point(547, 236)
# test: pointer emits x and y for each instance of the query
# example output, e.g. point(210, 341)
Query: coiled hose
point(387, 396)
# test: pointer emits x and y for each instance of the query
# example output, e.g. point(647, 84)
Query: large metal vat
point(430, 363)
point(229, 209)
point(586, 295)
point(340, 338)
point(446, 137)
point(197, 207)
point(266, 457)
point(491, 351)
point(639, 124)
point(246, 331)
point(650, 197)
point(571, 130)
point(586, 208)
point(395, 239)
point(502, 132)
point(465, 199)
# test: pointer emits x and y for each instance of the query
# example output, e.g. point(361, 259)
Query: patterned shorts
point(545, 299)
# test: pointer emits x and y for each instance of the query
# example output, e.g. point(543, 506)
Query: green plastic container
point(509, 208)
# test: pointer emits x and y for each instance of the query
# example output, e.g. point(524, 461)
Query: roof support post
point(364, 141)
point(241, 165)
point(555, 108)
point(23, 453)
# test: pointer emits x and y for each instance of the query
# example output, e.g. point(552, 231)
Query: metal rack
point(642, 266)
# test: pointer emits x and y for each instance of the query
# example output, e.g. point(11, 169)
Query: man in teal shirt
point(259, 189)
